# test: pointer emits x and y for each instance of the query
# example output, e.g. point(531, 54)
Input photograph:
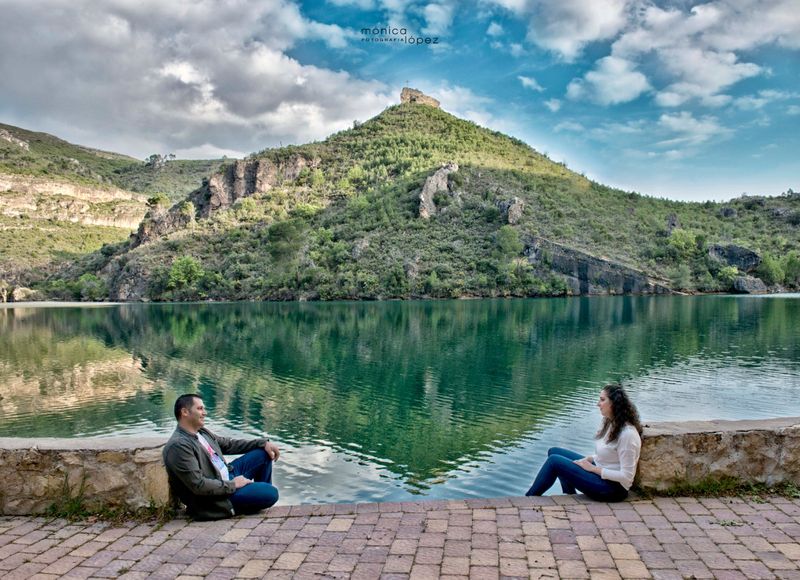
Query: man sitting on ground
point(210, 488)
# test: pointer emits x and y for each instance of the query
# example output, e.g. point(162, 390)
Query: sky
point(678, 99)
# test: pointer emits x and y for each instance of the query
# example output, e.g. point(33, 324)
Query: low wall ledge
point(85, 444)
point(653, 429)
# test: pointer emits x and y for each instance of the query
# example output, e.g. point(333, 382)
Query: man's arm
point(238, 446)
point(183, 464)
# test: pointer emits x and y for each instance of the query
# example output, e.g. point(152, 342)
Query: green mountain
point(60, 201)
point(418, 203)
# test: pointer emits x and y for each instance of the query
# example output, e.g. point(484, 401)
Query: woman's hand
point(586, 464)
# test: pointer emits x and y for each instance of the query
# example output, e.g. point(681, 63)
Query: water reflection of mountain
point(421, 386)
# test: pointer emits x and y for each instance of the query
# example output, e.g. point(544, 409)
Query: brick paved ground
point(556, 537)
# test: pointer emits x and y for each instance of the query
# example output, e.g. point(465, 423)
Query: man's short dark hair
point(185, 402)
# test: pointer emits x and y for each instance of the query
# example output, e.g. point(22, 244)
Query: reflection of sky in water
point(529, 385)
point(696, 389)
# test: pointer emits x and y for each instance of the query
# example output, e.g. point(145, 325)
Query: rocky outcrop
point(764, 451)
point(245, 178)
point(749, 285)
point(744, 259)
point(409, 95)
point(585, 274)
point(221, 191)
point(161, 221)
point(6, 135)
point(511, 209)
point(673, 223)
point(43, 199)
point(101, 473)
point(38, 185)
point(433, 185)
point(22, 294)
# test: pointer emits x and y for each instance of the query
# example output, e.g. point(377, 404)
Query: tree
point(186, 271)
point(791, 268)
point(508, 242)
point(770, 270)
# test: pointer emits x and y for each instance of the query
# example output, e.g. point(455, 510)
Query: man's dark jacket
point(195, 480)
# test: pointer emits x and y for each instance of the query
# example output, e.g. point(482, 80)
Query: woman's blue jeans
point(559, 465)
point(260, 494)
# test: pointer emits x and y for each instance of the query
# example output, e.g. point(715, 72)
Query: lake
point(391, 401)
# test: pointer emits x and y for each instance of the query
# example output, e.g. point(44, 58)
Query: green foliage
point(92, 288)
point(791, 268)
point(683, 244)
point(508, 242)
point(726, 276)
point(186, 271)
point(158, 200)
point(770, 270)
point(681, 278)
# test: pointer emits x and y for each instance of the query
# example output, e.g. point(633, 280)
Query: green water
point(379, 401)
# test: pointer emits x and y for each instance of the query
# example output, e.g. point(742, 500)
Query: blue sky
point(685, 100)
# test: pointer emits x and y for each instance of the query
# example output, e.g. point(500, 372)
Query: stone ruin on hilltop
point(408, 95)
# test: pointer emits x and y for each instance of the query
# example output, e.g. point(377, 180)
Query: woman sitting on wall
point(608, 474)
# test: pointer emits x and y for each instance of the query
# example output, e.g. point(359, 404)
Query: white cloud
point(763, 98)
point(613, 81)
point(688, 130)
point(569, 126)
point(694, 50)
point(530, 83)
point(611, 131)
point(494, 30)
point(553, 105)
point(209, 151)
point(516, 49)
point(438, 18)
point(567, 26)
point(168, 76)
point(701, 74)
point(363, 4)
point(793, 110)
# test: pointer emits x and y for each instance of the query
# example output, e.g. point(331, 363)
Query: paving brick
point(572, 569)
point(623, 552)
point(598, 559)
point(481, 557)
point(541, 559)
point(632, 569)
point(424, 572)
point(483, 573)
point(63, 565)
point(693, 568)
point(775, 561)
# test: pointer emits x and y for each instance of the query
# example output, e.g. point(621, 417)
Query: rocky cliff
point(585, 274)
point(219, 192)
point(47, 199)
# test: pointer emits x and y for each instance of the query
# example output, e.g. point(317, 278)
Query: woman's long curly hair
point(623, 411)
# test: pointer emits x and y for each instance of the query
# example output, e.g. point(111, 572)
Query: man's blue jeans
point(260, 494)
point(573, 477)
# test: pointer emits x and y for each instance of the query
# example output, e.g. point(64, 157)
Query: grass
point(71, 505)
point(726, 486)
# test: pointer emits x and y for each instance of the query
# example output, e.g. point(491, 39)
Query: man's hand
point(240, 481)
point(272, 450)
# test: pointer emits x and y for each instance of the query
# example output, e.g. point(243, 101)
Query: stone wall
point(116, 473)
point(763, 451)
point(127, 471)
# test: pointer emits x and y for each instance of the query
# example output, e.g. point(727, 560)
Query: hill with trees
point(419, 203)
